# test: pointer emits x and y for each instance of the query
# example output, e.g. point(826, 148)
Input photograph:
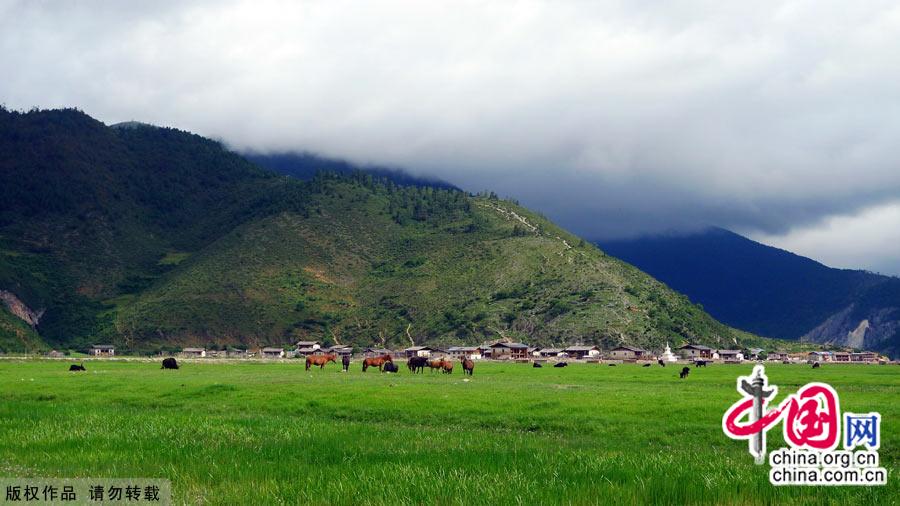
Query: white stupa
point(668, 356)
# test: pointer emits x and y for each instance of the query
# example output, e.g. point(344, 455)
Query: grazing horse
point(417, 364)
point(468, 365)
point(345, 363)
point(169, 363)
point(377, 362)
point(320, 360)
point(436, 364)
point(76, 367)
point(447, 366)
point(684, 372)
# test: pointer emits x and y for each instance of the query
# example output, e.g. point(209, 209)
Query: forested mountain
point(304, 166)
point(770, 291)
point(150, 237)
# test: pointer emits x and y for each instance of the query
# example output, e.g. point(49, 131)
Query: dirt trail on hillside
point(509, 214)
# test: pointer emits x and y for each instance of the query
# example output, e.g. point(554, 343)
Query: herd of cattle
point(385, 363)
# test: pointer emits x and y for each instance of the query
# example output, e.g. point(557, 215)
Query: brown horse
point(467, 365)
point(436, 364)
point(377, 362)
point(320, 360)
point(447, 366)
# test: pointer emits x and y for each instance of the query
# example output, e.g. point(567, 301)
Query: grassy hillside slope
point(349, 272)
point(16, 335)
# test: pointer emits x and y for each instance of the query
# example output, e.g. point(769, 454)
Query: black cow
point(684, 372)
point(816, 365)
point(417, 364)
point(390, 367)
point(647, 365)
point(561, 364)
point(611, 365)
point(700, 363)
point(76, 367)
point(345, 362)
point(169, 363)
point(661, 362)
point(536, 365)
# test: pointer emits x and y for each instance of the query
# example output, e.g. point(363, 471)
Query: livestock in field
point(447, 366)
point(646, 365)
point(169, 363)
point(417, 364)
point(815, 365)
point(468, 365)
point(436, 365)
point(76, 367)
point(684, 372)
point(661, 362)
point(320, 360)
point(561, 364)
point(377, 362)
point(390, 367)
point(345, 363)
point(536, 365)
point(700, 363)
point(611, 365)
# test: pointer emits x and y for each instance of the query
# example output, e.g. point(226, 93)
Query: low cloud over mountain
point(614, 118)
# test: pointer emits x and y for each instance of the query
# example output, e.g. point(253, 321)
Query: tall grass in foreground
point(273, 433)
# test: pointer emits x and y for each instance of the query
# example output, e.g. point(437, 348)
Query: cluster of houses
point(700, 352)
point(523, 352)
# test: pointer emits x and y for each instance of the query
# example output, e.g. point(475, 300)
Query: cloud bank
point(614, 118)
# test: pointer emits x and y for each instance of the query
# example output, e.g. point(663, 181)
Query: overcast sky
point(780, 120)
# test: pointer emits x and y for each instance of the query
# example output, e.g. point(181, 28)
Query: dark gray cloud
point(615, 118)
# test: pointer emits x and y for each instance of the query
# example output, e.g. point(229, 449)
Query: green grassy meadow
point(272, 433)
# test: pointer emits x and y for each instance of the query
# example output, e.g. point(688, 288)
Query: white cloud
point(868, 239)
point(613, 117)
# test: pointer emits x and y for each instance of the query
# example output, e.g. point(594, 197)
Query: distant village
point(522, 352)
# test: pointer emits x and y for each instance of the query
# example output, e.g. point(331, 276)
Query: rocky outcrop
point(18, 308)
point(874, 329)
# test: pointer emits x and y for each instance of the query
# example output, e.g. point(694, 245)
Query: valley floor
point(261, 433)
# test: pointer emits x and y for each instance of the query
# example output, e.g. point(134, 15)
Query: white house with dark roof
point(418, 351)
point(193, 352)
point(459, 352)
point(729, 355)
point(103, 350)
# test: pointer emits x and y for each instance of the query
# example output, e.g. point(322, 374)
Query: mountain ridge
point(153, 238)
point(771, 291)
